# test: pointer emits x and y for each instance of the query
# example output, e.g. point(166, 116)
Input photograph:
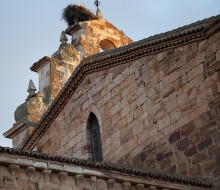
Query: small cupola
point(27, 115)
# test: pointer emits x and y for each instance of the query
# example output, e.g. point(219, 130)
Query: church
point(113, 114)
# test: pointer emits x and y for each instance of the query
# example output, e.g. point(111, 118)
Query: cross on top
point(97, 3)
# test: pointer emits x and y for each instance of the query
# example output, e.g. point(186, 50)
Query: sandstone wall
point(159, 112)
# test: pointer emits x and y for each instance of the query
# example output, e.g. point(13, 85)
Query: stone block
point(181, 165)
point(163, 123)
point(190, 151)
point(203, 45)
point(165, 164)
point(56, 167)
point(140, 186)
point(183, 144)
point(208, 165)
point(175, 115)
point(174, 137)
point(210, 50)
point(191, 54)
point(152, 188)
point(8, 182)
point(42, 165)
point(182, 98)
point(187, 129)
point(178, 52)
point(213, 38)
point(194, 137)
point(204, 144)
point(195, 72)
point(199, 158)
point(213, 150)
point(195, 170)
point(172, 169)
point(217, 66)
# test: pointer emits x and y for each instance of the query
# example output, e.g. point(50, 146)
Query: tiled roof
point(107, 166)
point(152, 45)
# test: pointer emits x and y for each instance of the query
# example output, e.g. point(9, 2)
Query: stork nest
point(76, 13)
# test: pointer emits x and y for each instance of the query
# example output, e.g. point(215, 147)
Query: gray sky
point(31, 29)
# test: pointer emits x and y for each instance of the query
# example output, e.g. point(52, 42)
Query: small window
point(106, 45)
point(94, 139)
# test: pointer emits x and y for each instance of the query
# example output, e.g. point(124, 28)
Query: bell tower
point(91, 34)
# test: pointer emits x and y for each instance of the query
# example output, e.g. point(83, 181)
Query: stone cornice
point(39, 64)
point(17, 128)
point(75, 166)
point(153, 45)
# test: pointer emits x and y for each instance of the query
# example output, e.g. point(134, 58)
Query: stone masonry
point(160, 112)
point(88, 38)
point(35, 171)
point(157, 102)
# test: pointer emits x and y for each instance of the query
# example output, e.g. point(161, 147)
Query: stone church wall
point(160, 112)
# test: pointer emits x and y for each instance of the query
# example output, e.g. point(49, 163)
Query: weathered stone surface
point(195, 170)
point(183, 144)
point(187, 129)
point(208, 165)
point(190, 151)
point(159, 111)
point(85, 178)
point(217, 159)
point(204, 144)
point(174, 137)
point(133, 124)
point(198, 158)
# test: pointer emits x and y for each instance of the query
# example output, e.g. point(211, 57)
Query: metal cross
point(97, 3)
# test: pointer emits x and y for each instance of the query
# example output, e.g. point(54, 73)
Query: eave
point(17, 128)
point(24, 159)
point(39, 64)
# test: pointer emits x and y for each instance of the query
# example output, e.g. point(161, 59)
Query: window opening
point(106, 45)
point(96, 141)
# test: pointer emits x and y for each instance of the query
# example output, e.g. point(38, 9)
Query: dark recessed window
point(95, 137)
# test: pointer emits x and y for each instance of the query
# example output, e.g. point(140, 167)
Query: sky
point(30, 30)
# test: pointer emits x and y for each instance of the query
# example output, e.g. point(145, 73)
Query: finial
point(31, 88)
point(63, 37)
point(98, 12)
point(97, 3)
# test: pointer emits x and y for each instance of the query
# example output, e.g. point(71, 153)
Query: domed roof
point(21, 112)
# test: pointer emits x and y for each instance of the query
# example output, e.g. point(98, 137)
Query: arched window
point(94, 137)
point(106, 45)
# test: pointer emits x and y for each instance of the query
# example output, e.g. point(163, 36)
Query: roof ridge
point(112, 166)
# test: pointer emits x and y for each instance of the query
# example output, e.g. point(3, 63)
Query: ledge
point(43, 161)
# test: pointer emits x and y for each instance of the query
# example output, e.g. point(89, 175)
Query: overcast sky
point(31, 29)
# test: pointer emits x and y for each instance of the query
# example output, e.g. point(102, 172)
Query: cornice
point(152, 45)
point(155, 175)
point(36, 66)
point(17, 128)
